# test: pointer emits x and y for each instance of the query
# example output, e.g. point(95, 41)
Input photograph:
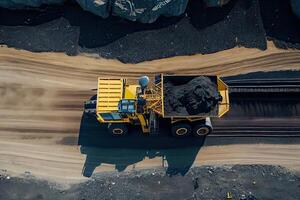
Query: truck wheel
point(181, 129)
point(118, 129)
point(201, 130)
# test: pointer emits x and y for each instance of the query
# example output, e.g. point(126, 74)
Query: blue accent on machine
point(126, 106)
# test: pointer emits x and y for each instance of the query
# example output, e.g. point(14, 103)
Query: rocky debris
point(295, 4)
point(202, 30)
point(27, 173)
point(19, 4)
point(97, 7)
point(216, 3)
point(248, 197)
point(56, 36)
point(280, 24)
point(197, 184)
point(145, 11)
point(198, 96)
point(3, 174)
point(30, 189)
point(199, 32)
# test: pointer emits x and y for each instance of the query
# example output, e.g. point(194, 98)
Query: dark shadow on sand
point(177, 154)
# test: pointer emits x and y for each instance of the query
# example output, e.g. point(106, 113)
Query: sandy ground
point(42, 96)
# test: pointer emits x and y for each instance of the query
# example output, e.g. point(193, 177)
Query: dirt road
point(41, 106)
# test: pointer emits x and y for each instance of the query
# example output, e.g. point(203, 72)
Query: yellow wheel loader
point(144, 101)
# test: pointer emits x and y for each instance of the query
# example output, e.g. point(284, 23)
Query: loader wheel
point(117, 129)
point(201, 130)
point(181, 129)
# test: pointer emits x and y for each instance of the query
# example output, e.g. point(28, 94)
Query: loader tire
point(181, 129)
point(118, 129)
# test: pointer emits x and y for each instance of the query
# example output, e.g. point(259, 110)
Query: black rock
point(199, 96)
point(57, 36)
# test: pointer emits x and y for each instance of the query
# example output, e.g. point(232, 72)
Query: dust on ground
point(42, 101)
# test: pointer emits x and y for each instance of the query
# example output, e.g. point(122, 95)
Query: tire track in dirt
point(42, 97)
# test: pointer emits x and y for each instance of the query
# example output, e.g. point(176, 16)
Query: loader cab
point(127, 106)
point(133, 101)
point(131, 106)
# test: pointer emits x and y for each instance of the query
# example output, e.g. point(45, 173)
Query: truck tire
point(118, 129)
point(201, 130)
point(181, 129)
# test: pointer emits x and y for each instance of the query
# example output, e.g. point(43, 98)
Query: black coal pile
point(146, 11)
point(199, 96)
point(204, 30)
point(55, 36)
point(281, 24)
point(201, 29)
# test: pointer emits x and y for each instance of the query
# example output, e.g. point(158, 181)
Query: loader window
point(116, 116)
point(106, 116)
point(110, 116)
point(126, 106)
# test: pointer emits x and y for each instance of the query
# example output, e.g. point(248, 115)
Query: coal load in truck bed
point(199, 96)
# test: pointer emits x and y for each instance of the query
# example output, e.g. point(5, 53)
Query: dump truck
point(143, 102)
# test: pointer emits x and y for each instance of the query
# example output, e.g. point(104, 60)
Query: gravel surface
point(200, 30)
point(57, 35)
point(242, 182)
point(242, 25)
point(281, 25)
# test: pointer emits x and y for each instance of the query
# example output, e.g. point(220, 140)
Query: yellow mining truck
point(121, 102)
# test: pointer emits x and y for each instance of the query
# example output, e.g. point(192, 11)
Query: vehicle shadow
point(177, 154)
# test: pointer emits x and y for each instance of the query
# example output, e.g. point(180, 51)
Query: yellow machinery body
point(111, 92)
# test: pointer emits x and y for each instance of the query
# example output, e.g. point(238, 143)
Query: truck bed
point(194, 96)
